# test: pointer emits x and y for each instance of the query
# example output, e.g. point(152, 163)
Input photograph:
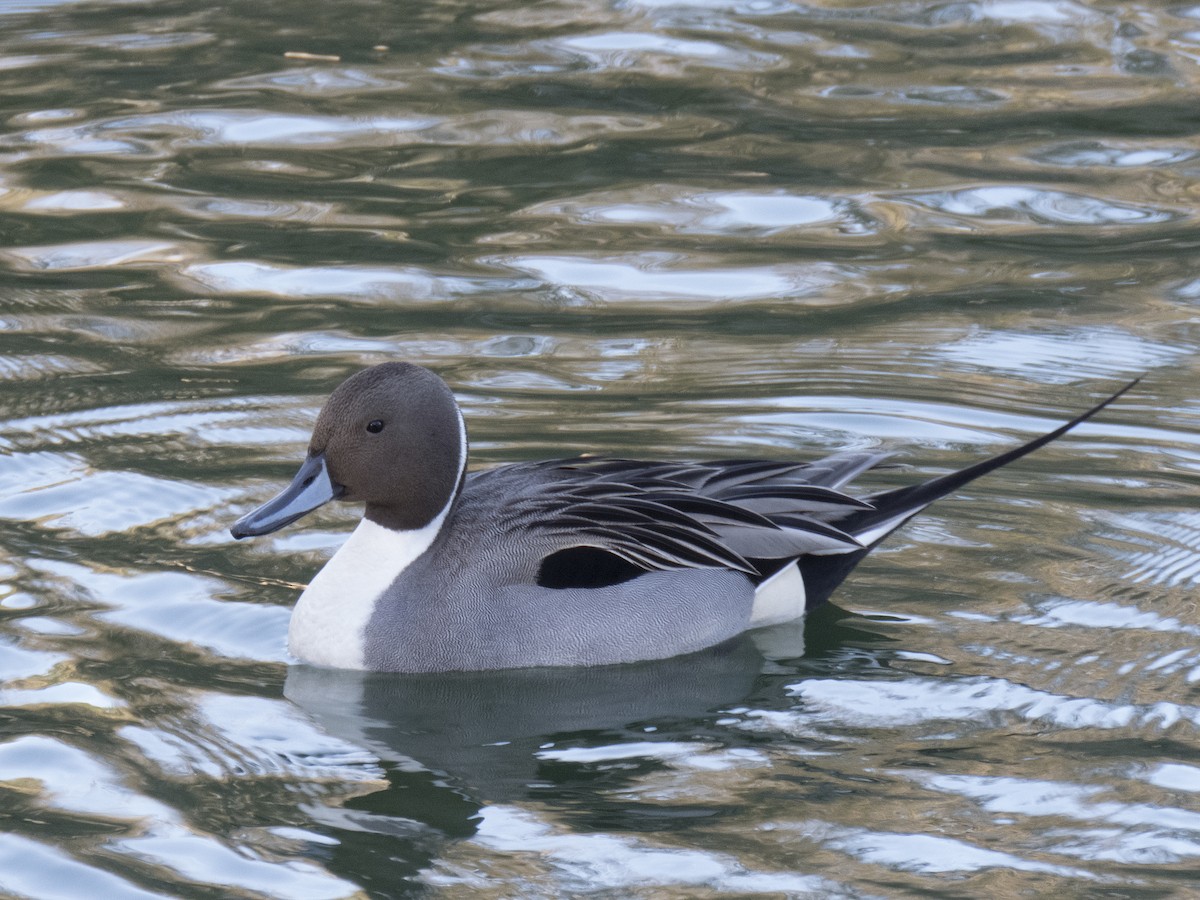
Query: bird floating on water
point(567, 562)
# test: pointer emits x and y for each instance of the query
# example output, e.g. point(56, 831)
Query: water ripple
point(1072, 801)
point(661, 55)
point(687, 210)
point(1034, 206)
point(650, 277)
point(82, 785)
point(975, 700)
point(360, 283)
point(928, 853)
point(1172, 542)
point(582, 862)
point(671, 228)
point(1063, 358)
point(159, 135)
point(36, 869)
point(123, 252)
point(1088, 154)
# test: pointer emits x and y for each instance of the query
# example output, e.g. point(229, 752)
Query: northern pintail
point(568, 562)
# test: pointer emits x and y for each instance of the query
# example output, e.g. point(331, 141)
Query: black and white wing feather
point(749, 516)
point(731, 514)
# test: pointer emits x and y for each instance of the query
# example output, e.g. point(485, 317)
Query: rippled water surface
point(646, 228)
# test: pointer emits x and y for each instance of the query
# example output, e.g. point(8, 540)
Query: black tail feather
point(822, 574)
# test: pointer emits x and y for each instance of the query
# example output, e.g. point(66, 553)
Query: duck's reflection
point(478, 733)
point(454, 744)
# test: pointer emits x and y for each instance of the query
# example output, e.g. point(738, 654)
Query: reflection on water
point(655, 228)
point(489, 733)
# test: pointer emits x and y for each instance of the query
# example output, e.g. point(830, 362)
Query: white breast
point(329, 623)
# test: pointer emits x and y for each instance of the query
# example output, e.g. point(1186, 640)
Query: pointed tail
point(893, 508)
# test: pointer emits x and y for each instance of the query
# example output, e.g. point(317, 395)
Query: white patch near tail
point(779, 598)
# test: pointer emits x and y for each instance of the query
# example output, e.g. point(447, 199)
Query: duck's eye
point(375, 426)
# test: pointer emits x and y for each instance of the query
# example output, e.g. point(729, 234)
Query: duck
point(585, 561)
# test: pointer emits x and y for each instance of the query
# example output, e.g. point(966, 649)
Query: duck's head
point(391, 436)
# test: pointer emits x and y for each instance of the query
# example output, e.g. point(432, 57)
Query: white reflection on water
point(1062, 357)
point(678, 753)
point(650, 277)
point(181, 608)
point(1122, 845)
point(82, 501)
point(971, 702)
point(207, 862)
point(98, 255)
point(66, 202)
point(216, 421)
point(1171, 542)
point(362, 283)
point(73, 781)
point(1085, 154)
point(226, 735)
point(1028, 205)
point(1048, 12)
point(43, 365)
point(1033, 797)
point(1062, 612)
point(34, 869)
point(18, 663)
point(936, 424)
point(326, 81)
point(179, 130)
point(691, 210)
point(660, 54)
point(603, 862)
point(1174, 777)
point(65, 693)
point(926, 852)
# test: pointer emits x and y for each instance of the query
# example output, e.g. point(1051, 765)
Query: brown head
point(390, 436)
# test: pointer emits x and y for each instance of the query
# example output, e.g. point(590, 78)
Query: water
point(650, 229)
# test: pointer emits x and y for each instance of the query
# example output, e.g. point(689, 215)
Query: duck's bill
point(311, 488)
